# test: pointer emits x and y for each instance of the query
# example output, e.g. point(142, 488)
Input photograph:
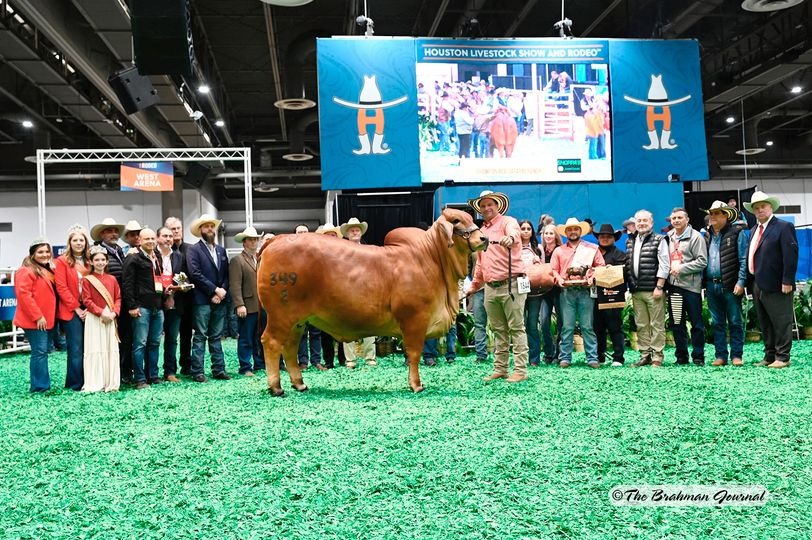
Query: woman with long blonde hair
point(550, 241)
point(71, 268)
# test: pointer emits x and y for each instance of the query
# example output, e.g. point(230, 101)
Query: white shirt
point(751, 261)
point(213, 251)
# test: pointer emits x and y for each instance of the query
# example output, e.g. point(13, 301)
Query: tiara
point(95, 250)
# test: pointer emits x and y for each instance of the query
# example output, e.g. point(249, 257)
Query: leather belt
point(495, 284)
point(716, 280)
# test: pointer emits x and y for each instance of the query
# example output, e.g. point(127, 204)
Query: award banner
point(147, 176)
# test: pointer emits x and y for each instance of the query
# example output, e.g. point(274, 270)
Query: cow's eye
point(456, 222)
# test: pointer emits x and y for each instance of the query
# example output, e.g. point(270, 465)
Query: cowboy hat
point(502, 201)
point(760, 196)
point(573, 222)
point(107, 223)
point(329, 228)
point(606, 228)
point(657, 96)
point(370, 97)
point(249, 232)
point(731, 213)
point(194, 228)
point(132, 226)
point(353, 222)
point(628, 221)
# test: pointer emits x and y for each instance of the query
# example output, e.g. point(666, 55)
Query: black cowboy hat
point(608, 229)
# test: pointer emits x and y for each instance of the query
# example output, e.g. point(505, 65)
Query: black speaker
point(197, 173)
point(162, 37)
point(134, 91)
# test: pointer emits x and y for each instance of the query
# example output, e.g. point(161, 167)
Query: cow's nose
point(485, 242)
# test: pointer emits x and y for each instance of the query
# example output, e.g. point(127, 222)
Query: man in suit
point(772, 259)
point(171, 263)
point(208, 271)
point(183, 302)
point(242, 275)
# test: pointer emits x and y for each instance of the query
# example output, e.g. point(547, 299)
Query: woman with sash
point(36, 308)
point(71, 269)
point(102, 298)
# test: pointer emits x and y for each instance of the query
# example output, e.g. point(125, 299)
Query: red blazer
point(67, 287)
point(35, 299)
point(94, 301)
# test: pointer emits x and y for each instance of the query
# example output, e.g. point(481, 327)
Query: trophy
point(576, 276)
point(180, 282)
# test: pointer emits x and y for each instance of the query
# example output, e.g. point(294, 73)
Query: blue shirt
point(714, 269)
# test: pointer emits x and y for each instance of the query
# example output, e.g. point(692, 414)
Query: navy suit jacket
point(776, 258)
point(204, 274)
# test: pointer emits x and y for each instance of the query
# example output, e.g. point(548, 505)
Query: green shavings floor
point(359, 456)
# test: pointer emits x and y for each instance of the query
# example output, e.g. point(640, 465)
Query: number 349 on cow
point(284, 278)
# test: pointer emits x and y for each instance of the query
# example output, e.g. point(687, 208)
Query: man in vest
point(725, 277)
point(772, 260)
point(646, 271)
point(688, 257)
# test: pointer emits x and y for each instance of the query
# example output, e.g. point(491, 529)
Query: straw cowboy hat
point(760, 196)
point(606, 228)
point(132, 226)
point(370, 97)
point(731, 213)
point(329, 228)
point(657, 96)
point(249, 232)
point(194, 228)
point(353, 222)
point(502, 201)
point(573, 222)
point(107, 223)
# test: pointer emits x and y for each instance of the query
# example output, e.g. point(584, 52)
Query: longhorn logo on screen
point(658, 99)
point(370, 101)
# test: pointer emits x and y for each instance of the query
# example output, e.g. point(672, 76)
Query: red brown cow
point(408, 288)
point(503, 132)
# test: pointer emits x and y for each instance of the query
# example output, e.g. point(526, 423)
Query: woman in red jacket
point(71, 269)
point(102, 297)
point(36, 308)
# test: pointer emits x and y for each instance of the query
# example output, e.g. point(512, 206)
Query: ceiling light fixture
point(28, 124)
point(763, 6)
point(796, 90)
point(219, 123)
point(730, 119)
point(204, 89)
point(769, 143)
point(287, 3)
point(297, 157)
point(262, 187)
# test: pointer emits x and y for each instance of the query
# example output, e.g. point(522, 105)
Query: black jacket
point(776, 257)
point(138, 282)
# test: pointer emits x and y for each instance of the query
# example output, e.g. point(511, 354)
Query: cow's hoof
point(276, 392)
point(417, 389)
point(300, 387)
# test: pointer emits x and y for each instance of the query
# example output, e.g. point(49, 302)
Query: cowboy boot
point(377, 141)
point(654, 144)
point(364, 140)
point(665, 141)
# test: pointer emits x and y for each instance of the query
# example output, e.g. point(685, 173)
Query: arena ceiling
point(56, 56)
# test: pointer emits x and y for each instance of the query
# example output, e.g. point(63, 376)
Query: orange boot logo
point(370, 108)
point(658, 109)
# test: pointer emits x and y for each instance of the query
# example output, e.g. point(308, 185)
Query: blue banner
point(658, 115)
point(8, 302)
point(368, 113)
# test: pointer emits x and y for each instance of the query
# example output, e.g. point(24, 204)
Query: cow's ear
point(447, 227)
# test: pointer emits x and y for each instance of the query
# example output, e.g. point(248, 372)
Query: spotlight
point(796, 90)
point(196, 115)
point(730, 119)
point(769, 143)
point(204, 89)
point(219, 123)
point(28, 124)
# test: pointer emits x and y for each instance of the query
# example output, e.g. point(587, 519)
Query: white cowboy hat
point(249, 232)
point(657, 96)
point(731, 213)
point(107, 223)
point(502, 201)
point(573, 222)
point(353, 222)
point(329, 227)
point(370, 97)
point(760, 196)
point(132, 226)
point(194, 228)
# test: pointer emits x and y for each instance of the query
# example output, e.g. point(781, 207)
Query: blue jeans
point(532, 309)
point(75, 337)
point(549, 302)
point(482, 144)
point(445, 130)
point(692, 311)
point(39, 340)
point(311, 337)
point(146, 343)
point(431, 347)
point(248, 346)
point(172, 321)
point(480, 324)
point(209, 321)
point(726, 314)
point(576, 303)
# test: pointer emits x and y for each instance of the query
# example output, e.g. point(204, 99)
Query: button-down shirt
point(754, 244)
point(213, 252)
point(663, 258)
point(492, 264)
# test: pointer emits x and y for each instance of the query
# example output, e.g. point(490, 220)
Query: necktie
point(756, 241)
